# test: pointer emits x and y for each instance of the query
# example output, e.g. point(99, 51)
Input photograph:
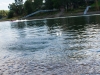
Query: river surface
point(74, 40)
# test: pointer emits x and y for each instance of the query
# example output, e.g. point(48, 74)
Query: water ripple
point(56, 39)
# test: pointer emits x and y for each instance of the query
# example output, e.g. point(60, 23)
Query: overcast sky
point(5, 3)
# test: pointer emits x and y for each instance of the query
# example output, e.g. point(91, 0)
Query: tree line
point(3, 13)
point(31, 6)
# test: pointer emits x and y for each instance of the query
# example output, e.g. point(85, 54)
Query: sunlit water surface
point(51, 40)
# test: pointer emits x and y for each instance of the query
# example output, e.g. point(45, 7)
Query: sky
point(5, 3)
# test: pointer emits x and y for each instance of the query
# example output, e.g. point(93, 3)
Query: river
point(56, 46)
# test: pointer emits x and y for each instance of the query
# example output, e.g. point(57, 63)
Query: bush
point(10, 14)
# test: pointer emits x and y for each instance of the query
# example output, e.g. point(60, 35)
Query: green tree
point(49, 4)
point(57, 3)
point(32, 6)
point(11, 14)
point(28, 5)
point(17, 9)
point(3, 13)
point(37, 4)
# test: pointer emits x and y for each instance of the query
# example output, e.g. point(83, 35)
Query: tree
point(3, 13)
point(32, 6)
point(28, 6)
point(17, 9)
point(12, 7)
point(49, 4)
point(11, 14)
point(57, 4)
point(37, 4)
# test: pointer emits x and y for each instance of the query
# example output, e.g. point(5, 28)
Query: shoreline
point(58, 15)
point(63, 15)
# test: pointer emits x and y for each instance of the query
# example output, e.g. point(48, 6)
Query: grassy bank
point(54, 14)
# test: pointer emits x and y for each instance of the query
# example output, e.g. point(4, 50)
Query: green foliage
point(11, 14)
point(31, 6)
point(12, 6)
point(17, 9)
point(94, 4)
point(37, 4)
point(70, 4)
point(28, 5)
point(3, 13)
point(49, 4)
point(57, 3)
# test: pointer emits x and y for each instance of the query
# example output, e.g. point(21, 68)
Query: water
point(73, 39)
point(87, 8)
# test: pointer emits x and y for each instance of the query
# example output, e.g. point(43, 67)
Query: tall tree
point(28, 6)
point(37, 4)
point(17, 9)
point(49, 4)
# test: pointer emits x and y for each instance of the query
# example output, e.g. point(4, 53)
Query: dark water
point(52, 40)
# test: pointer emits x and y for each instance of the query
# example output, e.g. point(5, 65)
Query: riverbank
point(53, 15)
point(61, 14)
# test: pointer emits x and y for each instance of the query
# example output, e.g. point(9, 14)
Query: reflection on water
point(61, 39)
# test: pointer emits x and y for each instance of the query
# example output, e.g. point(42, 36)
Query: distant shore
point(64, 14)
point(54, 15)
